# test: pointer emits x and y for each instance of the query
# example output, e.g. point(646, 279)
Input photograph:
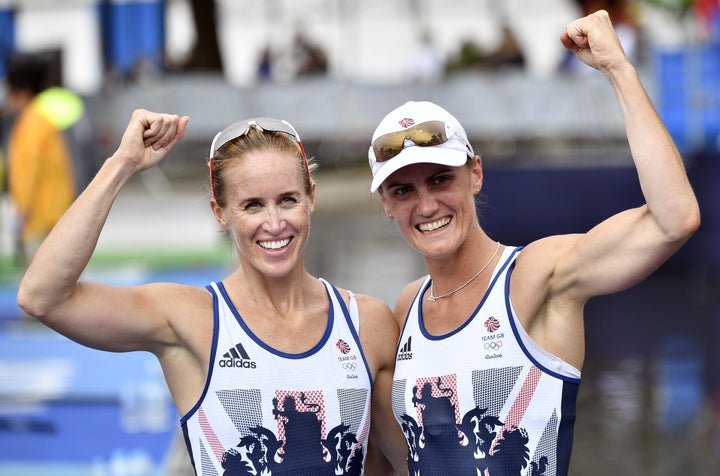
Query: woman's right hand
point(149, 137)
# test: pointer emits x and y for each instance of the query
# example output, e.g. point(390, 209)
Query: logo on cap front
point(407, 122)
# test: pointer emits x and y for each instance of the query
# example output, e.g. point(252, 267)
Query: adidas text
point(404, 356)
point(239, 363)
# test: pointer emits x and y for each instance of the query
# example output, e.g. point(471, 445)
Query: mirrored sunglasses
point(263, 124)
point(424, 134)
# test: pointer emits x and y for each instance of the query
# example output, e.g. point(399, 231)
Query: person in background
point(272, 370)
point(309, 59)
point(265, 65)
point(40, 177)
point(426, 65)
point(491, 349)
point(66, 111)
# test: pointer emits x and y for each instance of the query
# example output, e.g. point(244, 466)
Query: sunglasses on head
point(424, 134)
point(262, 124)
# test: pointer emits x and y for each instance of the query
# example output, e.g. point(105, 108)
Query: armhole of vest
point(349, 320)
point(212, 289)
point(336, 300)
point(354, 311)
point(188, 444)
point(416, 303)
point(540, 357)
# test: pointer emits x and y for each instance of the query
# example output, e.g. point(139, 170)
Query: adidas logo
point(405, 352)
point(237, 357)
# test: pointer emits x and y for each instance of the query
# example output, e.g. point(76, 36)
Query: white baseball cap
point(416, 132)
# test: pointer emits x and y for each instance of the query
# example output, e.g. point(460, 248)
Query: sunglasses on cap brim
point(424, 134)
point(262, 124)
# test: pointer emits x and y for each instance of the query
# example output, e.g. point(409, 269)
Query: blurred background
point(555, 156)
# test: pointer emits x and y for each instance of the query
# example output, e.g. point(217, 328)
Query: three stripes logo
point(405, 352)
point(237, 357)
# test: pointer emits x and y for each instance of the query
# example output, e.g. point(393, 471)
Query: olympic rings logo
point(349, 366)
point(494, 345)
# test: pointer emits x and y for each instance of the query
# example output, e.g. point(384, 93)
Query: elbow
point(31, 301)
point(692, 220)
point(694, 223)
point(26, 301)
point(686, 227)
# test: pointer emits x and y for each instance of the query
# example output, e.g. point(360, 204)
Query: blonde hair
point(255, 140)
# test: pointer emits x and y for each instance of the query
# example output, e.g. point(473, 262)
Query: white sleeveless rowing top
point(483, 399)
point(267, 412)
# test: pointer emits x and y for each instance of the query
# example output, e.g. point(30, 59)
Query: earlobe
point(477, 175)
point(312, 197)
point(385, 205)
point(218, 212)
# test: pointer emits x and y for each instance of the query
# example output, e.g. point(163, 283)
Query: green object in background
point(677, 5)
point(60, 106)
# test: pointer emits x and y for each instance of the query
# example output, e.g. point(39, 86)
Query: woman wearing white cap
point(492, 342)
point(271, 369)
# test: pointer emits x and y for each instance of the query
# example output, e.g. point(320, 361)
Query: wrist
point(621, 73)
point(117, 170)
point(121, 165)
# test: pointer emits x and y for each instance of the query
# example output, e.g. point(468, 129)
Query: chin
point(281, 268)
point(435, 251)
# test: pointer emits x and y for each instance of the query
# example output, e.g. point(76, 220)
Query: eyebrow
point(289, 193)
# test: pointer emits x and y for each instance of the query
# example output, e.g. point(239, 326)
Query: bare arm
point(96, 315)
point(404, 301)
point(627, 247)
point(555, 276)
point(379, 335)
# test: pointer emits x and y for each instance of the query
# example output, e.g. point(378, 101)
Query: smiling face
point(433, 205)
point(266, 211)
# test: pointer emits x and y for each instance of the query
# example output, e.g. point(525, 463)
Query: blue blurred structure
point(598, 192)
point(63, 405)
point(688, 83)
point(70, 409)
point(133, 34)
point(7, 36)
point(680, 383)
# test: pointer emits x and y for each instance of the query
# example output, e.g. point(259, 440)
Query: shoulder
point(181, 305)
point(378, 331)
point(27, 127)
point(541, 274)
point(33, 117)
point(367, 304)
point(370, 308)
point(542, 258)
point(176, 300)
point(373, 309)
point(32, 137)
point(186, 294)
point(406, 297)
point(376, 318)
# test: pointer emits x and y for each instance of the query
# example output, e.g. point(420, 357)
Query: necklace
point(433, 298)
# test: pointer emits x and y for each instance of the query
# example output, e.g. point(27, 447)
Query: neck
point(282, 293)
point(451, 272)
point(464, 260)
point(16, 101)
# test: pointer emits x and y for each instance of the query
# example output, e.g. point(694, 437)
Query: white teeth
point(426, 227)
point(274, 245)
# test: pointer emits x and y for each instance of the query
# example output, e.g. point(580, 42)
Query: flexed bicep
point(616, 254)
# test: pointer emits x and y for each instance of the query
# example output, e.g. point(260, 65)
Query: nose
point(274, 221)
point(426, 203)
